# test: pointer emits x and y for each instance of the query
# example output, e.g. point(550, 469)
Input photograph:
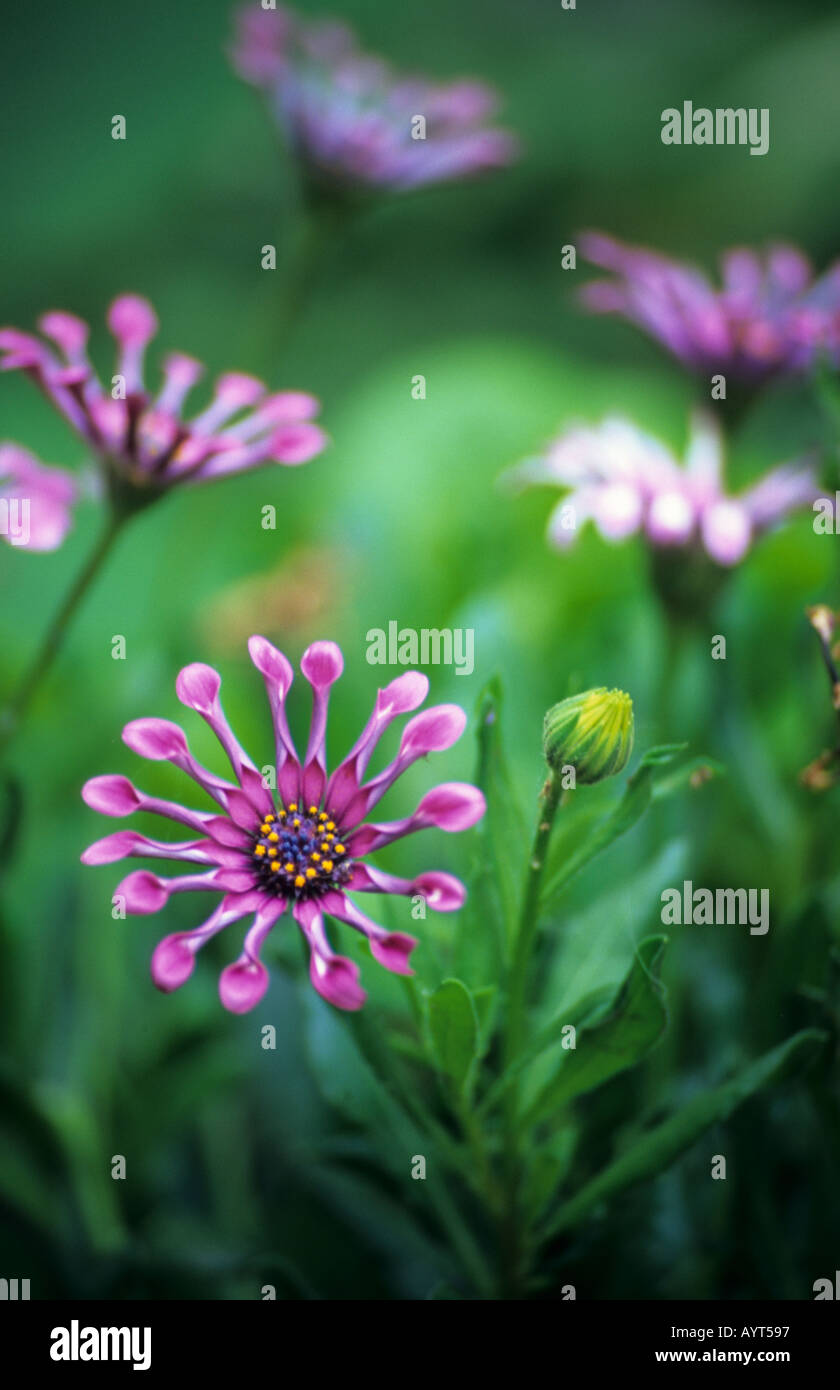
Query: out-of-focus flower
point(143, 441)
point(353, 122)
point(290, 599)
point(303, 853)
point(624, 481)
point(35, 502)
point(769, 317)
point(591, 732)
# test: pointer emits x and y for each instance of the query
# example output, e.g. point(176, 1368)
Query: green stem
point(550, 799)
point(511, 1234)
point(20, 701)
point(320, 227)
point(381, 1063)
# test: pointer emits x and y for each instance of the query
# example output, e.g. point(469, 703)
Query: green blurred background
point(239, 1171)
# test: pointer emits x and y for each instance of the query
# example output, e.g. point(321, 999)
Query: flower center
point(300, 853)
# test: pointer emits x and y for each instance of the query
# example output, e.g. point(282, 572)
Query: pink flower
point(35, 502)
point(624, 481)
point(303, 853)
point(770, 316)
point(143, 441)
point(351, 120)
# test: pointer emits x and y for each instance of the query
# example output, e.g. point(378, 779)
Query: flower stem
point(511, 1233)
point(550, 799)
point(318, 232)
point(13, 712)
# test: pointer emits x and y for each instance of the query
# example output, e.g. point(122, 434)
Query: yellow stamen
point(300, 881)
point(311, 873)
point(290, 868)
point(339, 849)
point(260, 849)
point(274, 837)
point(327, 866)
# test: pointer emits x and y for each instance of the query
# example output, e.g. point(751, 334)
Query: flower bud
point(591, 732)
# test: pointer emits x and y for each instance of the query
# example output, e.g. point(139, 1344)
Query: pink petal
point(111, 795)
point(322, 664)
point(432, 731)
point(441, 891)
point(289, 407)
point(296, 444)
point(197, 686)
point(111, 848)
point(726, 532)
point(67, 331)
point(132, 320)
point(277, 673)
point(156, 739)
point(393, 951)
point(143, 892)
point(452, 806)
point(173, 961)
point(337, 981)
point(242, 985)
point(239, 390)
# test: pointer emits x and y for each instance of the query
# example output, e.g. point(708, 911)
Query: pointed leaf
point(657, 1150)
point(453, 1028)
point(647, 782)
point(634, 1024)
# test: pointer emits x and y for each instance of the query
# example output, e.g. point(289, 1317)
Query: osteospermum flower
point(350, 119)
point(143, 440)
point(35, 502)
point(769, 317)
point(301, 854)
point(624, 481)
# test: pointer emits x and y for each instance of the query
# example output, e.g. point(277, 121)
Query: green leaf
point(646, 783)
point(591, 1004)
point(635, 1022)
point(657, 1150)
point(453, 1029)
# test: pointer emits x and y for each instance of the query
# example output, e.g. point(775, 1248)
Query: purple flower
point(304, 852)
point(35, 502)
point(143, 441)
point(351, 120)
point(624, 480)
point(770, 317)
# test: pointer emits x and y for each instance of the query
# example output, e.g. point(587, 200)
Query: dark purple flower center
point(300, 853)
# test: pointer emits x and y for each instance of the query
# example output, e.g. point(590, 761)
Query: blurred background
point(247, 1166)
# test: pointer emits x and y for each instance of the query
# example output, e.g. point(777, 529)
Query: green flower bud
point(592, 733)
